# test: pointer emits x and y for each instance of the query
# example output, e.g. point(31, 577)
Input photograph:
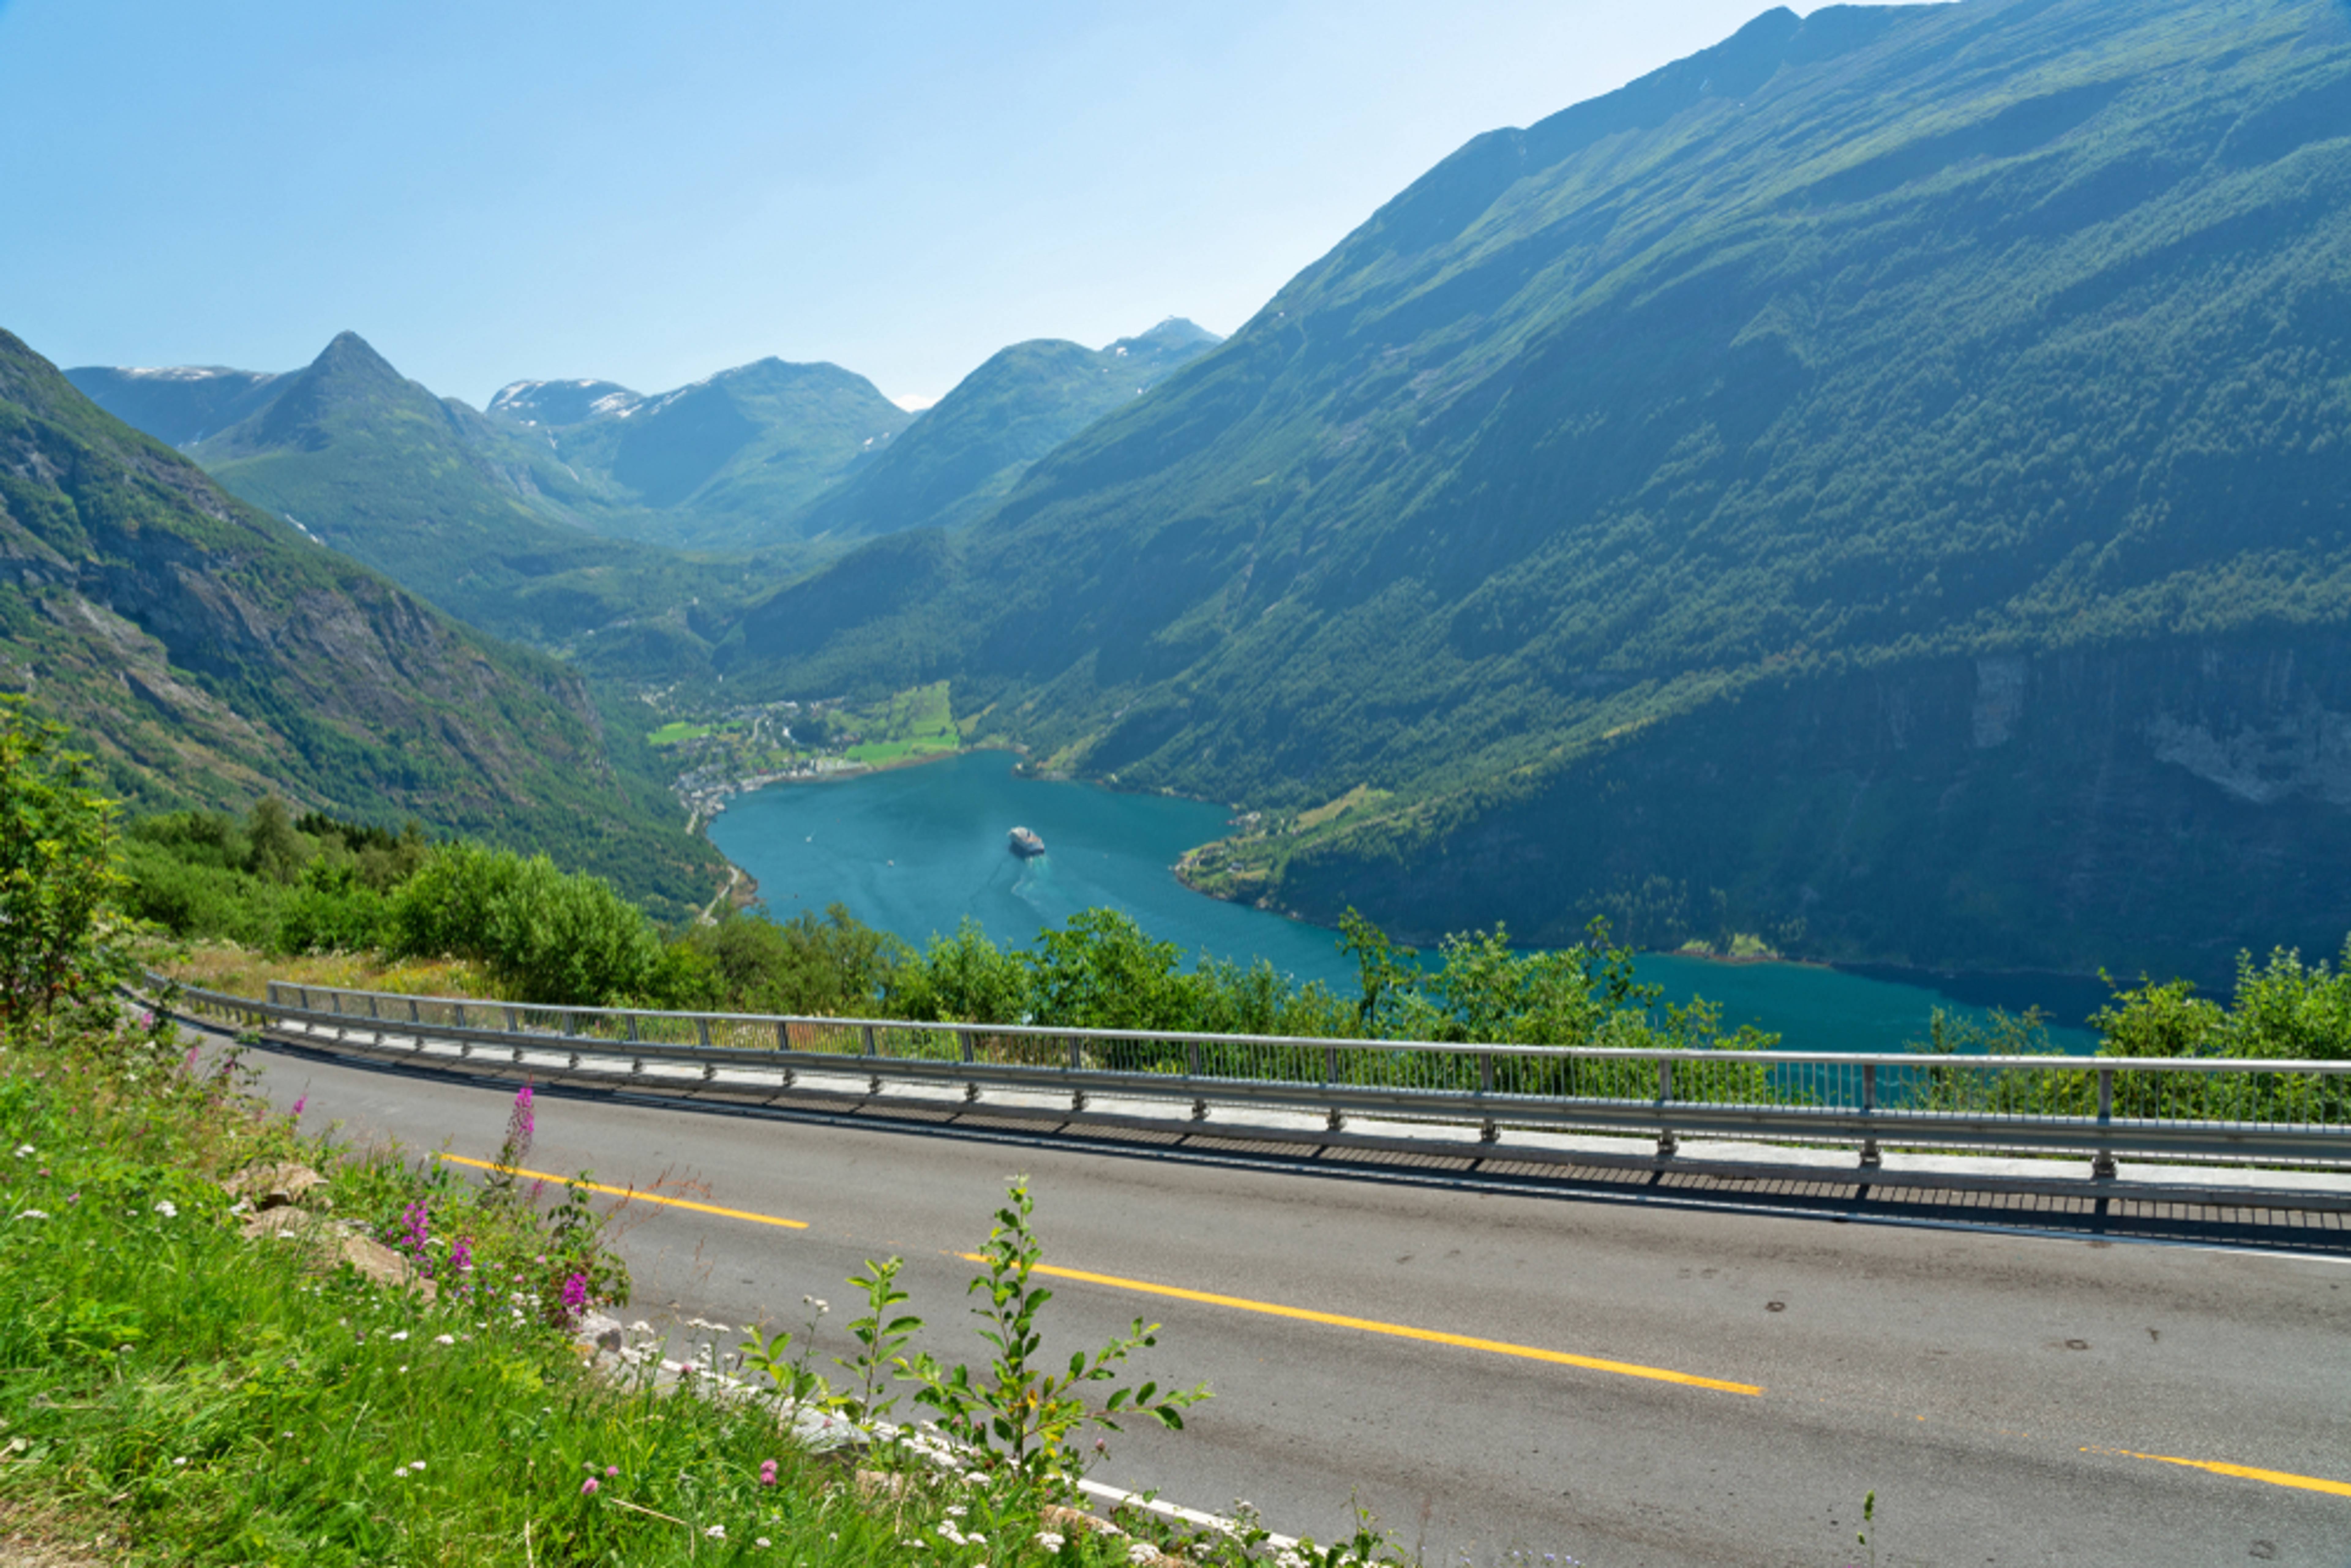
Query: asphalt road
point(2004, 1396)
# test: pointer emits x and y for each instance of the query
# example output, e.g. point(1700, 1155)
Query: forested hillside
point(477, 515)
point(208, 654)
point(1876, 482)
point(956, 461)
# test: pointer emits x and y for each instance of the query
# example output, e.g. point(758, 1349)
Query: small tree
point(1023, 1413)
point(59, 876)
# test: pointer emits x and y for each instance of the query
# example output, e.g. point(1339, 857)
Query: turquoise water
point(915, 850)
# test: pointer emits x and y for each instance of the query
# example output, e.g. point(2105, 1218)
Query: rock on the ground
point(276, 1186)
point(603, 1333)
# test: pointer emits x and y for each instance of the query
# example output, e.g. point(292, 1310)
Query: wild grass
point(242, 972)
point(182, 1380)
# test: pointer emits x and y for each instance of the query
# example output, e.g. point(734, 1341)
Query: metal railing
point(2276, 1112)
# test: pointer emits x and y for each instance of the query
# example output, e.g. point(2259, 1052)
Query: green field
point(670, 734)
point(919, 723)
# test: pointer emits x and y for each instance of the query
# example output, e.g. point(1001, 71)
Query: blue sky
point(527, 188)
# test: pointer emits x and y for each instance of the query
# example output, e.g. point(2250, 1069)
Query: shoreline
point(1736, 960)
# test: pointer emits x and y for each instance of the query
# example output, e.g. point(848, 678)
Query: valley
point(1844, 495)
point(1662, 840)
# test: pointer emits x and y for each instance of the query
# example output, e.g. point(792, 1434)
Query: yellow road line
point(2242, 1472)
point(1397, 1331)
point(633, 1195)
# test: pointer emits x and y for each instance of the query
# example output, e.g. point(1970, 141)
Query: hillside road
point(1493, 1374)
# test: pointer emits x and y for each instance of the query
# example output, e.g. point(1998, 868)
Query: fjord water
point(915, 850)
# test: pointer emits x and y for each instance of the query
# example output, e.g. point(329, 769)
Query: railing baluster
point(1870, 1158)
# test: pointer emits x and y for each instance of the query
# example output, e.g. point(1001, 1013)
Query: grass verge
point(184, 1379)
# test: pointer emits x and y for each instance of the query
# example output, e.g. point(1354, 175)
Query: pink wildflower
point(589, 1487)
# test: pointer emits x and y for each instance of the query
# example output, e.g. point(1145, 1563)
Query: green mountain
point(1876, 483)
point(727, 463)
point(206, 652)
point(962, 455)
point(471, 512)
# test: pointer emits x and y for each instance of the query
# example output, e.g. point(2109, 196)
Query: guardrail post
point(1486, 1132)
point(702, 1031)
point(970, 1046)
point(513, 1025)
point(1667, 1144)
point(628, 1021)
point(2102, 1163)
point(1870, 1158)
point(1192, 1070)
point(413, 1016)
point(873, 1049)
point(457, 1011)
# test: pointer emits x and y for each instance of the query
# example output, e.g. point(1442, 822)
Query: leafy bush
point(2284, 1010)
point(547, 936)
point(831, 964)
point(962, 978)
point(58, 873)
point(270, 881)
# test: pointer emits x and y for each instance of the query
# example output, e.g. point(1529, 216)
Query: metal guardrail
point(2255, 1112)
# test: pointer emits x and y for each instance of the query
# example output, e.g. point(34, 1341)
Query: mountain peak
point(351, 354)
point(563, 402)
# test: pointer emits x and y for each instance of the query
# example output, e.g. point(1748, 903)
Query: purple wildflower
point(768, 1472)
point(589, 1487)
point(416, 1230)
point(299, 1102)
point(521, 1122)
point(188, 1062)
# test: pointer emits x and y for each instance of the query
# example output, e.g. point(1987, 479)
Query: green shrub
point(962, 978)
point(828, 965)
point(59, 873)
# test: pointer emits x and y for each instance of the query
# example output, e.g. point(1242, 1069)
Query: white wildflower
point(957, 1512)
point(23, 1151)
point(33, 1214)
point(1050, 1539)
point(716, 1533)
point(400, 1335)
point(444, 1339)
point(1142, 1552)
point(168, 1210)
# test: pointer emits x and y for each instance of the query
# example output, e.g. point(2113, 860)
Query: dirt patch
point(36, 1540)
